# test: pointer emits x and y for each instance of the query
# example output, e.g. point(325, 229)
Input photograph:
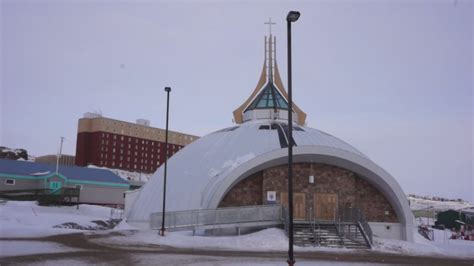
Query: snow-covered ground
point(27, 219)
point(274, 239)
point(435, 205)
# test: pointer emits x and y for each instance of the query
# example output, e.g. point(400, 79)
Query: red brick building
point(118, 144)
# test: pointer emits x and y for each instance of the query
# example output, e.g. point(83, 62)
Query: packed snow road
point(81, 249)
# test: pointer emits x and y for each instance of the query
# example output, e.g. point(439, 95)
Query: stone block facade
point(247, 192)
point(351, 190)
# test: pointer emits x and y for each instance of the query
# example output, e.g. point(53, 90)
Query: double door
point(324, 205)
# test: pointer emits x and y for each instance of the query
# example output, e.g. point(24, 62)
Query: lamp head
point(167, 89)
point(293, 16)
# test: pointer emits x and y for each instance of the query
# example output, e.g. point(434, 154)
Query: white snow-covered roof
point(194, 171)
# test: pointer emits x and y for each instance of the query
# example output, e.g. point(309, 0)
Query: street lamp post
point(291, 17)
point(168, 90)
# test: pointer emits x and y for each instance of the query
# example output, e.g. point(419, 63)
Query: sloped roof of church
point(195, 171)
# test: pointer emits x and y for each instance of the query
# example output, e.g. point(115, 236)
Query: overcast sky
point(392, 78)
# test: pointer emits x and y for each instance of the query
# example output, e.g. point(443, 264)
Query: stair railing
point(354, 216)
point(312, 222)
point(285, 217)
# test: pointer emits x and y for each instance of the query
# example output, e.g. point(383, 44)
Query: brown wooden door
point(325, 206)
point(299, 204)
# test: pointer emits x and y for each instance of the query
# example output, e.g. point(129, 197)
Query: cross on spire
point(270, 23)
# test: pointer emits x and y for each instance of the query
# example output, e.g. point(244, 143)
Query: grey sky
point(393, 78)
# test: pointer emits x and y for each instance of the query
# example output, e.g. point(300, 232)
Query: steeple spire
point(269, 99)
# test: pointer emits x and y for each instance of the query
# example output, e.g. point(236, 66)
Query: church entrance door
point(299, 204)
point(325, 206)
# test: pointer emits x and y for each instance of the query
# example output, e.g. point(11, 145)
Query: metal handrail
point(229, 215)
point(354, 215)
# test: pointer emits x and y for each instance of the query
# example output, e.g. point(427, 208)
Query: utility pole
point(59, 155)
point(162, 231)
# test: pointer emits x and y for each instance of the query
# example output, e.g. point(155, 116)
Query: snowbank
point(27, 219)
point(274, 239)
point(441, 246)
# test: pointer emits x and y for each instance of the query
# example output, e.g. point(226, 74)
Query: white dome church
point(242, 164)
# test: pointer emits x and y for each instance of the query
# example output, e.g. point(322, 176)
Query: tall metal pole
point(59, 155)
point(162, 231)
point(291, 17)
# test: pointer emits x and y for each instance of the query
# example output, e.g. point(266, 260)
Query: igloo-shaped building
point(242, 165)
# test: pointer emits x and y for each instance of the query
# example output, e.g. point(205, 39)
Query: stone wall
point(246, 193)
point(351, 190)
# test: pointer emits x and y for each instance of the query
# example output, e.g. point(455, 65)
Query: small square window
point(10, 182)
point(79, 187)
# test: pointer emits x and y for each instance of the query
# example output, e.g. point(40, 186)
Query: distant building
point(118, 144)
point(51, 159)
point(97, 186)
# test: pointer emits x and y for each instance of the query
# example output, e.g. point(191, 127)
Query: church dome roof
point(195, 171)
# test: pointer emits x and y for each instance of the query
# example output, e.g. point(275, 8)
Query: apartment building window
point(121, 158)
point(128, 152)
point(113, 163)
point(121, 151)
point(113, 156)
point(129, 146)
point(136, 153)
point(113, 150)
point(134, 166)
point(129, 139)
point(121, 138)
point(114, 143)
point(120, 164)
point(115, 136)
point(128, 159)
